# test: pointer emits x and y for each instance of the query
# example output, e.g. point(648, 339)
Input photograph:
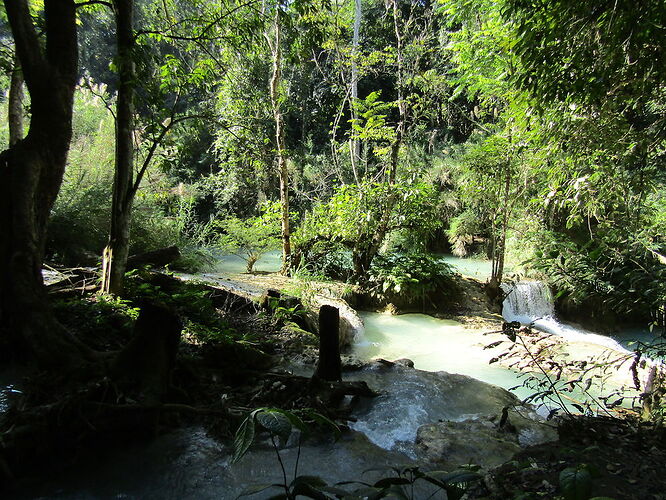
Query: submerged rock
point(445, 417)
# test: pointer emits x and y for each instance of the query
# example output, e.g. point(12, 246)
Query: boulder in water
point(452, 444)
point(486, 441)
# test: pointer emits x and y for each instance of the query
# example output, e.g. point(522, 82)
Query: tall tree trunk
point(402, 104)
point(15, 103)
point(505, 224)
point(280, 148)
point(355, 144)
point(31, 173)
point(115, 255)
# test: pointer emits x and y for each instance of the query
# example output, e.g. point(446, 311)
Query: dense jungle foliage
point(529, 132)
point(364, 139)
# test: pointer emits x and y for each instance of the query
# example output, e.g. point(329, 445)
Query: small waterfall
point(531, 303)
point(527, 301)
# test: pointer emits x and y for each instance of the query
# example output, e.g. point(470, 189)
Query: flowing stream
point(188, 464)
point(531, 303)
point(9, 385)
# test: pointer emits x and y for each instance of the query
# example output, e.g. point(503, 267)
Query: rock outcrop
point(487, 441)
point(446, 418)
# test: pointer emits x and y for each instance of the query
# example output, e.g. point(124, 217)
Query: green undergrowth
point(106, 321)
point(413, 276)
point(103, 321)
point(202, 321)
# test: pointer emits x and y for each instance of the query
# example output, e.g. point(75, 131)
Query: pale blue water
point(270, 262)
point(480, 269)
point(650, 342)
point(433, 345)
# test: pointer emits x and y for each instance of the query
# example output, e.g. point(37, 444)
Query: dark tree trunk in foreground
point(329, 366)
point(31, 173)
point(114, 259)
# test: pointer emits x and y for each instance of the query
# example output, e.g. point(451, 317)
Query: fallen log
point(67, 279)
point(155, 258)
point(227, 300)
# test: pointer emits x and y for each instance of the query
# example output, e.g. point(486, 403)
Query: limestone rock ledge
point(487, 441)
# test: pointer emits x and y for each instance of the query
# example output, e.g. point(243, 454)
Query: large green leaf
point(576, 483)
point(390, 481)
point(275, 422)
point(243, 438)
point(325, 422)
point(454, 483)
point(295, 421)
point(309, 486)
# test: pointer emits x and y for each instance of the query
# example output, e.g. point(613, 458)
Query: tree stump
point(329, 366)
point(149, 358)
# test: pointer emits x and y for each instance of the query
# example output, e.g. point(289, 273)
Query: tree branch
point(155, 143)
point(26, 42)
point(95, 2)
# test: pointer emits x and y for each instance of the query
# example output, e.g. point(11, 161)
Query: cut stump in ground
point(329, 366)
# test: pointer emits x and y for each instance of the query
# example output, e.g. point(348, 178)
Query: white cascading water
point(531, 303)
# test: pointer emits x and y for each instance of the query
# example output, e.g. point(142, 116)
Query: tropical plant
point(359, 217)
point(280, 424)
point(415, 276)
point(249, 239)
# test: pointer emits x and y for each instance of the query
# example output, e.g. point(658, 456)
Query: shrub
point(249, 239)
point(412, 277)
point(327, 260)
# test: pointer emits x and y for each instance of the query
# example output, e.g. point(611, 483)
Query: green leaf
point(326, 422)
point(243, 438)
point(311, 480)
point(295, 420)
point(393, 491)
point(275, 422)
point(390, 481)
point(338, 492)
point(576, 483)
point(308, 486)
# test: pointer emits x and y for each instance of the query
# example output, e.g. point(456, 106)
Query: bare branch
point(95, 2)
